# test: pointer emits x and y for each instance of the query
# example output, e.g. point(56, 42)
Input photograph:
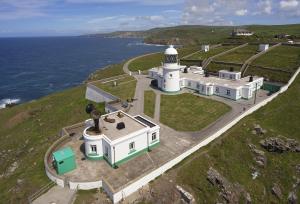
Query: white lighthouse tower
point(171, 70)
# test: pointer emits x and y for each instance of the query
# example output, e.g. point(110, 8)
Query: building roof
point(63, 154)
point(110, 129)
point(216, 80)
point(171, 51)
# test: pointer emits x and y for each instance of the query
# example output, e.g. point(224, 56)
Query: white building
point(168, 76)
point(205, 48)
point(229, 84)
point(121, 138)
point(263, 47)
point(241, 32)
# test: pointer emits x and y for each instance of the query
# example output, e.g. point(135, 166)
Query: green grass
point(214, 51)
point(214, 67)
point(85, 196)
point(187, 112)
point(149, 103)
point(109, 71)
point(125, 88)
point(154, 60)
point(282, 57)
point(271, 75)
point(240, 55)
point(231, 156)
point(35, 125)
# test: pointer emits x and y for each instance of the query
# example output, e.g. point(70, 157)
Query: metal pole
point(255, 92)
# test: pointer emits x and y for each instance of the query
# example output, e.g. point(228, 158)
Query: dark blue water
point(34, 67)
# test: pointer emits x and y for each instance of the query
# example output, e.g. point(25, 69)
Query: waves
point(8, 102)
point(144, 44)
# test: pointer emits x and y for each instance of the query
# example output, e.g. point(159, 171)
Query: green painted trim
point(132, 151)
point(90, 157)
point(151, 146)
point(135, 154)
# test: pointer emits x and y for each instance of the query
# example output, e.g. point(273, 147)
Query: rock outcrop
point(186, 196)
point(277, 191)
point(280, 145)
point(259, 157)
point(230, 192)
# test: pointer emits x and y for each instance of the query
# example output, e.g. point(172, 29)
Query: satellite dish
point(89, 108)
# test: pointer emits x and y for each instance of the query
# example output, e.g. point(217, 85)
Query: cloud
point(288, 4)
point(264, 7)
point(241, 12)
point(143, 2)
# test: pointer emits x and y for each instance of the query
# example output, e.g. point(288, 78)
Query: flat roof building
point(121, 137)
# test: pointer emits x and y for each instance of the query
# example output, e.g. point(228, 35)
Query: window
point(202, 88)
point(154, 136)
point(217, 89)
point(223, 75)
point(228, 92)
point(171, 75)
point(230, 76)
point(189, 83)
point(198, 85)
point(94, 148)
point(131, 146)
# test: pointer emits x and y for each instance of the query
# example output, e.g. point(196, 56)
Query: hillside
point(198, 34)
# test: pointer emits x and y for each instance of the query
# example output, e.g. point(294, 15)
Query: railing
point(41, 191)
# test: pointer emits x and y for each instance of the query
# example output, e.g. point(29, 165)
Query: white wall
point(224, 74)
point(171, 80)
point(122, 149)
point(97, 95)
point(97, 142)
point(223, 92)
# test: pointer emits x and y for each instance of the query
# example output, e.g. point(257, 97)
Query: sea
point(31, 68)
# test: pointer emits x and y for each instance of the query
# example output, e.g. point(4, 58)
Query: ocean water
point(34, 67)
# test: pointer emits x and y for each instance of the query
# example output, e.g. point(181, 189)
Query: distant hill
point(198, 34)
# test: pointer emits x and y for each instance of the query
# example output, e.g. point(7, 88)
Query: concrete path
point(57, 195)
point(252, 58)
point(157, 107)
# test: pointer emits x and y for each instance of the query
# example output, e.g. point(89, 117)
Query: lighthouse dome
point(171, 51)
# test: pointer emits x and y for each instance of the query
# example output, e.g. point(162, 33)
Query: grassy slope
point(149, 103)
point(109, 71)
point(282, 57)
point(154, 60)
point(240, 55)
point(125, 88)
point(36, 125)
point(231, 156)
point(211, 52)
point(187, 112)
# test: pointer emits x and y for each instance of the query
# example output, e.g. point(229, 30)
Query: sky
point(76, 17)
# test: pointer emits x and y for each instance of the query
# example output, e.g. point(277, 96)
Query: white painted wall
point(171, 80)
point(263, 47)
point(224, 74)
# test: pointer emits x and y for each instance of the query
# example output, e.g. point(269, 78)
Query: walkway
point(57, 195)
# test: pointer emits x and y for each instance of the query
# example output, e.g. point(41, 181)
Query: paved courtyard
point(172, 143)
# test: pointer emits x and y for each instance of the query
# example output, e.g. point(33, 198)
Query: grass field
point(125, 88)
point(109, 71)
point(240, 55)
point(214, 67)
point(231, 156)
point(282, 57)
point(26, 131)
point(271, 75)
point(214, 51)
point(187, 112)
point(154, 60)
point(149, 103)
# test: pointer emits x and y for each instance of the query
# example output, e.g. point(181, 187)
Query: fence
point(41, 191)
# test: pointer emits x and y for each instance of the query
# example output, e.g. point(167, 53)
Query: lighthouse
point(171, 71)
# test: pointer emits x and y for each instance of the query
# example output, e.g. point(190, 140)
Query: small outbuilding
point(64, 160)
point(205, 48)
point(263, 47)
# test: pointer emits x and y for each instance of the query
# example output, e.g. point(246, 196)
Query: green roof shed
point(64, 160)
